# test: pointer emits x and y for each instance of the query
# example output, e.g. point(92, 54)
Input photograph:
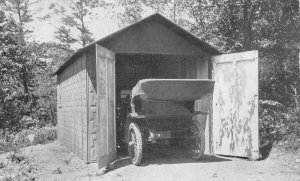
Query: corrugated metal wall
point(72, 107)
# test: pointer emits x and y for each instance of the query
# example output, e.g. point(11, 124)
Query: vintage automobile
point(162, 112)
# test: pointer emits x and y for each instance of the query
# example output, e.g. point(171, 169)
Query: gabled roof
point(154, 17)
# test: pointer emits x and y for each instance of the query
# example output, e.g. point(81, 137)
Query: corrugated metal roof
point(155, 17)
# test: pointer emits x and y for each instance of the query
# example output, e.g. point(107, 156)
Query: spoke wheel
point(135, 146)
point(197, 144)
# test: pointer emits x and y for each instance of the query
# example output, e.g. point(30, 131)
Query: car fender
point(140, 121)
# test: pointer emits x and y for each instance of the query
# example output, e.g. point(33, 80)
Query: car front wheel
point(135, 144)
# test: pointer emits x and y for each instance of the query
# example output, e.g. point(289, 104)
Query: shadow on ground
point(265, 150)
point(173, 155)
point(164, 155)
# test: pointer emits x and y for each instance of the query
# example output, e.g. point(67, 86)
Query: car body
point(162, 113)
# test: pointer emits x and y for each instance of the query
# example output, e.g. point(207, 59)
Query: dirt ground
point(55, 162)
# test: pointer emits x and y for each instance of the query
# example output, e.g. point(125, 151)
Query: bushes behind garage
point(45, 135)
point(277, 125)
point(28, 137)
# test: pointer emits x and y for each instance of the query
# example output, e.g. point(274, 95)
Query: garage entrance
point(130, 68)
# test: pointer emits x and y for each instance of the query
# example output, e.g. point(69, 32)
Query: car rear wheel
point(197, 145)
point(135, 144)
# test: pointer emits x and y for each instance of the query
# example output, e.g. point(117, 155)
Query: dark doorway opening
point(130, 68)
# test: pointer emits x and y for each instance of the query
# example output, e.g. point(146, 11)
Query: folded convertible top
point(173, 89)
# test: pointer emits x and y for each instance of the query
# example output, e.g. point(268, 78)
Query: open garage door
point(235, 105)
point(105, 77)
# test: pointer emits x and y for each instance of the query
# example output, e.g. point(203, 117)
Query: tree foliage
point(18, 68)
point(127, 12)
point(24, 72)
point(74, 20)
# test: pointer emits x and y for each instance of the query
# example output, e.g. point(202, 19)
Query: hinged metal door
point(105, 77)
point(235, 105)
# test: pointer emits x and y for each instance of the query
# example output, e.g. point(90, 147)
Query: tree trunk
point(297, 108)
point(3, 132)
point(295, 97)
point(247, 27)
point(174, 11)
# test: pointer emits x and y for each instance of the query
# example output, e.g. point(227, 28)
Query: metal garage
point(92, 83)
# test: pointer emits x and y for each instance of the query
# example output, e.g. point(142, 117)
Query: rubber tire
point(202, 142)
point(139, 141)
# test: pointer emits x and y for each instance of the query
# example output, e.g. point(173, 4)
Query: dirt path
point(174, 165)
point(55, 162)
